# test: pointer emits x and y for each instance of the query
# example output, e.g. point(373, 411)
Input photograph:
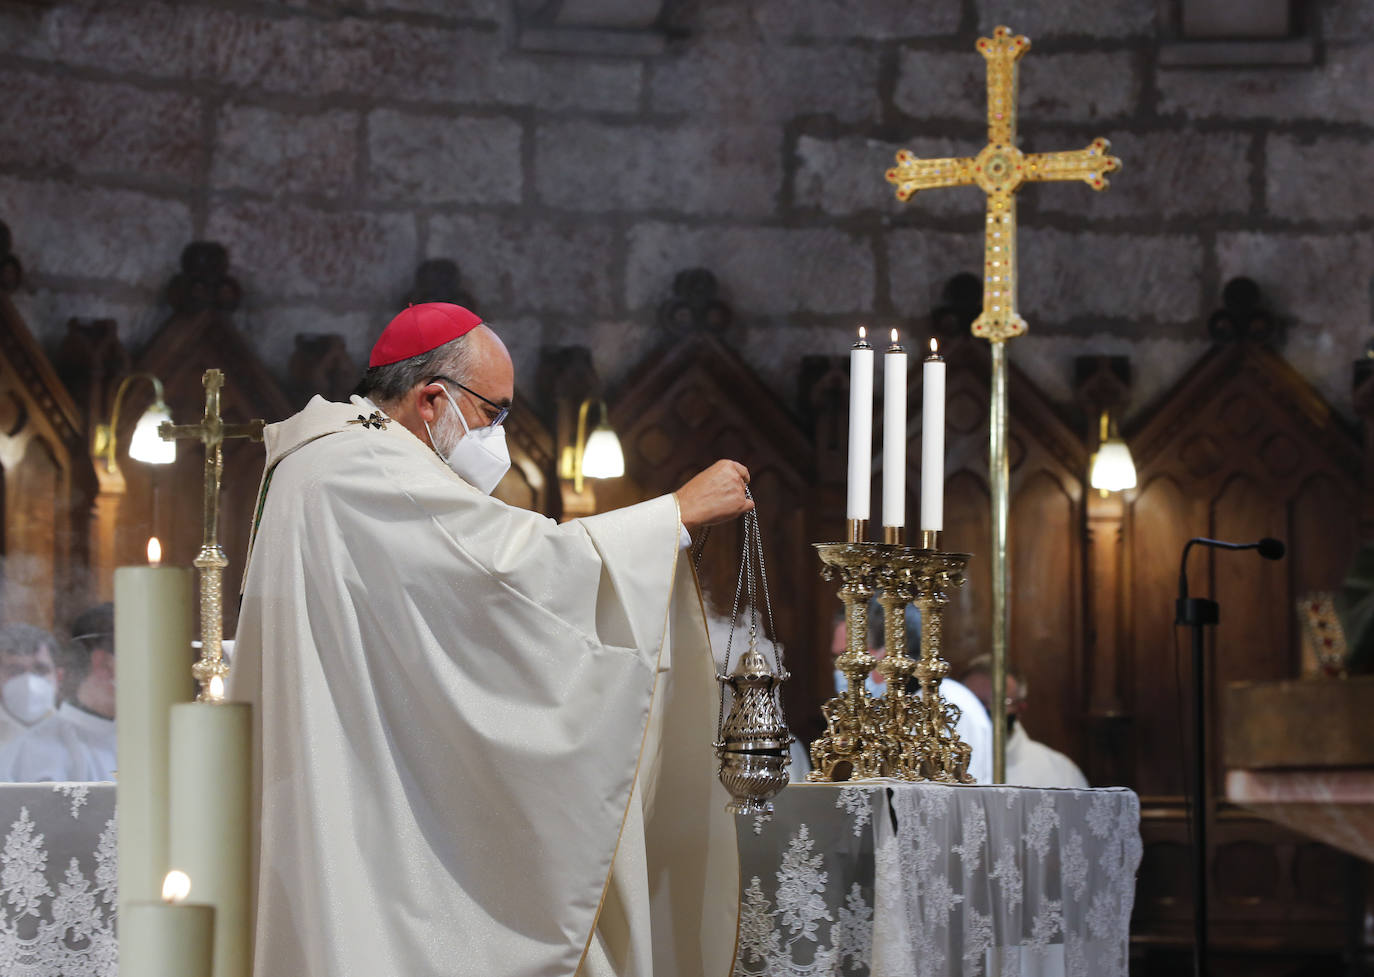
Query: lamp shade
point(602, 457)
point(1113, 469)
point(146, 446)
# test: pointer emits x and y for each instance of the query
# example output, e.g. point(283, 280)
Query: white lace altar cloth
point(57, 880)
point(890, 879)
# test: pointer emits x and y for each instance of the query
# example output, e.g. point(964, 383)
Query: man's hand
point(714, 496)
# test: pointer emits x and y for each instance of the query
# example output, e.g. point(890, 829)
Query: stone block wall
point(332, 145)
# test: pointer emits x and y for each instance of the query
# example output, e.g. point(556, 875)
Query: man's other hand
point(714, 496)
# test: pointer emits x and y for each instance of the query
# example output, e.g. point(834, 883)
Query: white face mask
point(28, 697)
point(480, 457)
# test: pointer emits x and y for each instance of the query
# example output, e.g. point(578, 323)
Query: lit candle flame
point(894, 337)
point(154, 551)
point(863, 333)
point(176, 886)
point(934, 346)
point(216, 690)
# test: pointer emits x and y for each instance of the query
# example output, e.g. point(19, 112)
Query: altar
point(919, 880)
point(882, 878)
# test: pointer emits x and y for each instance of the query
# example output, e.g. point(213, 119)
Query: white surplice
point(1031, 763)
point(482, 739)
point(69, 744)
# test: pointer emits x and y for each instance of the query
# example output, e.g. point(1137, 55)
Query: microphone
point(1268, 547)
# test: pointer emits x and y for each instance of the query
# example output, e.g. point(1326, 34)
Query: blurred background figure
point(28, 678)
point(1030, 763)
point(77, 741)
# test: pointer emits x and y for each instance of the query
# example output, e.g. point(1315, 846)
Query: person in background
point(28, 678)
point(77, 741)
point(1030, 763)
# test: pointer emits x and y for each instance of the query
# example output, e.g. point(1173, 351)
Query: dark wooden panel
point(49, 483)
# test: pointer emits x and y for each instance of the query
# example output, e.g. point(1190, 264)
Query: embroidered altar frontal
point(929, 880)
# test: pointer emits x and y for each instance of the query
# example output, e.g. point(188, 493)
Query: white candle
point(153, 638)
point(933, 440)
point(168, 938)
point(210, 819)
point(894, 434)
point(860, 428)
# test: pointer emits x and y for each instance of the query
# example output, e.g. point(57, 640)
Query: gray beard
point(446, 433)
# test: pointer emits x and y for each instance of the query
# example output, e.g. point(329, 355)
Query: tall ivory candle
point(933, 440)
point(210, 814)
point(860, 428)
point(169, 938)
point(894, 434)
point(153, 642)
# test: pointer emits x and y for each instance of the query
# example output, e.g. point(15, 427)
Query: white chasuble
point(482, 741)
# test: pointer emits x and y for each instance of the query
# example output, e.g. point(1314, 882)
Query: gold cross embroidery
point(999, 170)
point(376, 420)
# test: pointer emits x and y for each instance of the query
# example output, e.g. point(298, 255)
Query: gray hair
point(387, 384)
point(24, 639)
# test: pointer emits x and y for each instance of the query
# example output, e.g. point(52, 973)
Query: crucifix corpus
point(210, 669)
point(1000, 169)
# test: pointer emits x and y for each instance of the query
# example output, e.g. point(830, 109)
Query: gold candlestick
point(899, 735)
point(850, 747)
point(211, 561)
point(900, 711)
point(945, 757)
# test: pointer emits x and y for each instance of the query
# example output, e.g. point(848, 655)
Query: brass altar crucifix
point(210, 669)
point(1000, 169)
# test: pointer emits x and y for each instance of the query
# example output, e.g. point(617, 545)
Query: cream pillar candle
point(153, 643)
point(894, 435)
point(158, 939)
point(210, 818)
point(933, 441)
point(859, 503)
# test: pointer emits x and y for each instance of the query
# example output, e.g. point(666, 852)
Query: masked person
point(77, 741)
point(483, 739)
point(28, 678)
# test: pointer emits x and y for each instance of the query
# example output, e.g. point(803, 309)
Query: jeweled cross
point(211, 561)
point(1000, 170)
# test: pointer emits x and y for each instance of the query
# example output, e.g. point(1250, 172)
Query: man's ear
point(429, 401)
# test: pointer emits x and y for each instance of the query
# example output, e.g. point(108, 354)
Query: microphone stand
point(1198, 613)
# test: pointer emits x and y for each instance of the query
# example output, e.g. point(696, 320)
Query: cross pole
point(1000, 169)
point(211, 561)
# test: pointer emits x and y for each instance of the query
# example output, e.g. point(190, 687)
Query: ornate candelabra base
point(906, 734)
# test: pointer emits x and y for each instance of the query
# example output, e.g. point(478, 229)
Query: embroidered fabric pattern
point(58, 882)
point(926, 880)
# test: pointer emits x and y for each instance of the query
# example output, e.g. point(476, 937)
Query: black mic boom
point(1270, 548)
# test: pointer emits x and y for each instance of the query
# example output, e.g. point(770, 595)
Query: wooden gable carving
point(1048, 463)
point(48, 483)
point(1241, 448)
point(166, 501)
point(689, 405)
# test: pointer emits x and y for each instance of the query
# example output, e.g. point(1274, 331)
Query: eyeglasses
point(501, 409)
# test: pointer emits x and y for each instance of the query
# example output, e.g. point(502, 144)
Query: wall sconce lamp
point(597, 456)
point(145, 446)
point(1112, 468)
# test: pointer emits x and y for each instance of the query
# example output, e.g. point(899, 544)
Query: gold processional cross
point(211, 560)
point(1000, 170)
